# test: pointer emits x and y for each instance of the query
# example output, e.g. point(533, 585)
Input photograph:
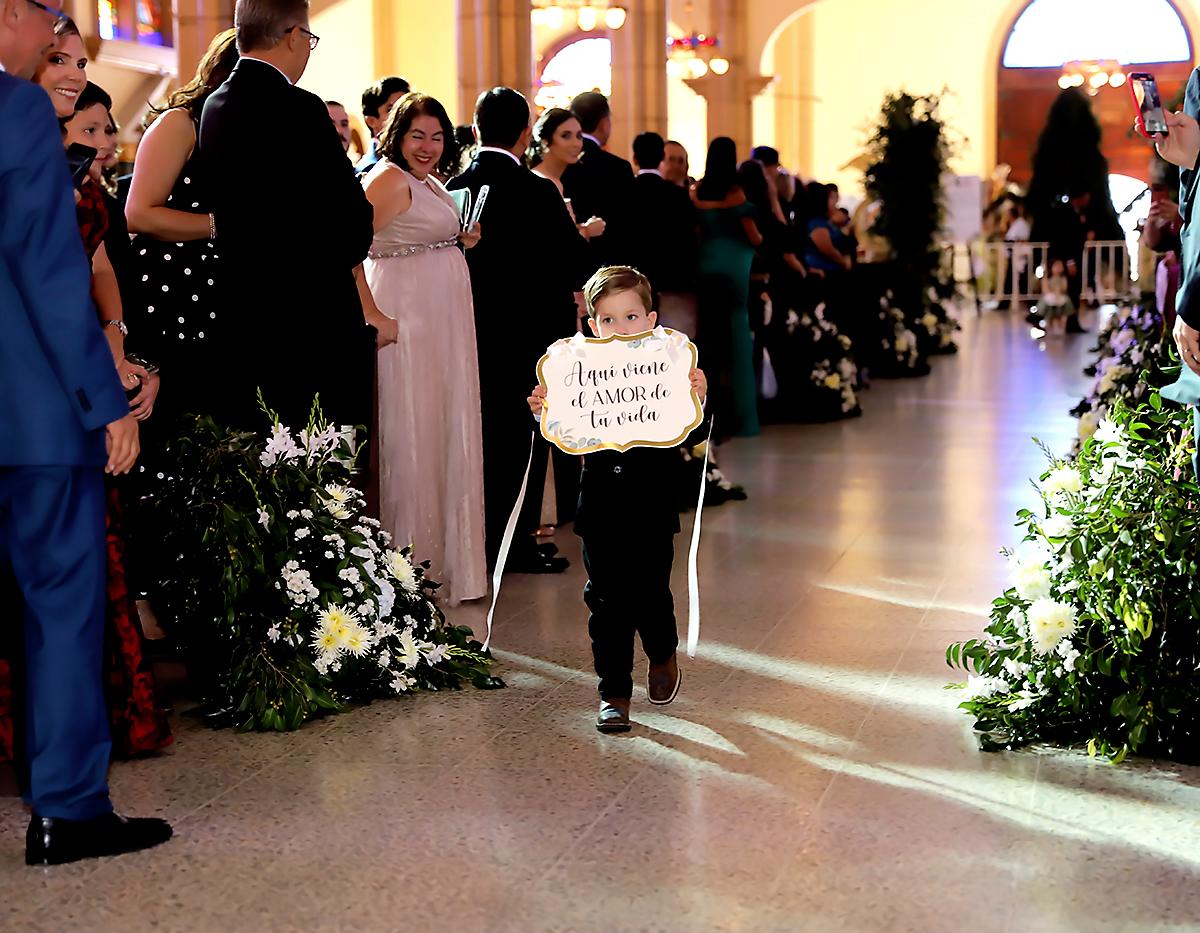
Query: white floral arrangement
point(837, 372)
point(1085, 645)
point(1130, 343)
point(315, 605)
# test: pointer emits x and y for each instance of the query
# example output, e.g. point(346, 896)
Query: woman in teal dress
point(728, 237)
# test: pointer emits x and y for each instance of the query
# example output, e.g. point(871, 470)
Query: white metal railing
point(1014, 271)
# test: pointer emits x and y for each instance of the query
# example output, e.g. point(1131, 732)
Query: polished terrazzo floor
point(813, 775)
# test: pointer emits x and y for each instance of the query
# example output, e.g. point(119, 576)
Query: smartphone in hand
point(1151, 118)
point(79, 160)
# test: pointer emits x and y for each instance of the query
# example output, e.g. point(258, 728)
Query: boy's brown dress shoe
point(663, 680)
point(614, 716)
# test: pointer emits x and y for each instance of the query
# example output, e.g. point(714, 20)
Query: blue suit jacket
point(58, 385)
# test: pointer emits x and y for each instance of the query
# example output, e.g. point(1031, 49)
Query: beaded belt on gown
point(401, 251)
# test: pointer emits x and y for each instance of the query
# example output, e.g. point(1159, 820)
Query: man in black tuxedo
point(288, 238)
point(663, 236)
point(524, 275)
point(600, 184)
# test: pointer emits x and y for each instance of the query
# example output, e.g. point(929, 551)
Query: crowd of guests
point(368, 285)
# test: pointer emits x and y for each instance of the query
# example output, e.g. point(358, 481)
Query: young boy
point(628, 522)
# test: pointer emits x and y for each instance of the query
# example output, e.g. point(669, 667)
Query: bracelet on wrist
point(212, 226)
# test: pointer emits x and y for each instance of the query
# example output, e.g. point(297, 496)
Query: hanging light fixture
point(587, 14)
point(694, 56)
point(1094, 74)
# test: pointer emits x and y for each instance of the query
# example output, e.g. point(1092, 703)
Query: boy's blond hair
point(609, 280)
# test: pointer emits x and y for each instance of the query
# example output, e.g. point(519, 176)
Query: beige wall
point(832, 73)
point(363, 40)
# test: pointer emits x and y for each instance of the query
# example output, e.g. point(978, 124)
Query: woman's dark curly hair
point(400, 121)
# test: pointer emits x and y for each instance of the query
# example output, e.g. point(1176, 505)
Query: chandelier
point(694, 56)
point(1092, 75)
point(588, 14)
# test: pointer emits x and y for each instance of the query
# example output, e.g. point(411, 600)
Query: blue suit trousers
point(52, 533)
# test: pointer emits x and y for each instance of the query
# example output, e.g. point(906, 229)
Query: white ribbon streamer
point(510, 531)
point(693, 636)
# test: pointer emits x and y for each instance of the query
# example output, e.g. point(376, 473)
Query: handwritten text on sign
point(619, 392)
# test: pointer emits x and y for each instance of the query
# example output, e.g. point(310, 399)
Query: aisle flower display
point(1096, 642)
point(1133, 350)
point(289, 601)
point(834, 372)
point(910, 149)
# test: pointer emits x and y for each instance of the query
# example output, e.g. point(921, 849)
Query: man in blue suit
point(61, 406)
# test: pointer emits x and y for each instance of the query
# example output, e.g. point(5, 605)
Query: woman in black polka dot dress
point(176, 318)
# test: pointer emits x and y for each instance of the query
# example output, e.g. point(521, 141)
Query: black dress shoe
point(51, 841)
point(1074, 327)
point(538, 563)
point(547, 550)
point(613, 716)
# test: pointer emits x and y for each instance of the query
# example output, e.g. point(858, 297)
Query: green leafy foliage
point(287, 601)
point(1098, 640)
point(909, 150)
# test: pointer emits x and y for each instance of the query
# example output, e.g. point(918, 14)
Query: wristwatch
point(120, 326)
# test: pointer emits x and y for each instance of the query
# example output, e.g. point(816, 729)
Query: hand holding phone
point(80, 159)
point(1182, 146)
point(1151, 116)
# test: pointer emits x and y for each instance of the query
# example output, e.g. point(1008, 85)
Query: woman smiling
point(63, 72)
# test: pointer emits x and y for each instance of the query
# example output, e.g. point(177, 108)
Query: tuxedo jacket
point(600, 184)
point(525, 270)
point(663, 234)
point(288, 240)
point(58, 384)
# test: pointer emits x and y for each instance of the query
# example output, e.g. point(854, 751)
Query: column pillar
point(639, 74)
point(495, 48)
point(730, 96)
point(196, 22)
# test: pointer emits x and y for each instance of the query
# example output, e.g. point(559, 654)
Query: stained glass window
point(147, 22)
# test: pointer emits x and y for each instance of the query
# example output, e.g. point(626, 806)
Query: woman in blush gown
point(430, 440)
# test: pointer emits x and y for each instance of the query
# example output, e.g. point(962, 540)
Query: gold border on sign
point(625, 338)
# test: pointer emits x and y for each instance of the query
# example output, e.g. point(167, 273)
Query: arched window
point(1050, 32)
point(583, 65)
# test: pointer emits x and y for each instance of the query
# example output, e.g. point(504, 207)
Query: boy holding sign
point(628, 522)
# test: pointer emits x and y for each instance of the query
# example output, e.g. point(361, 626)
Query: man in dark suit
point(663, 236)
point(289, 238)
point(61, 405)
point(522, 306)
point(600, 184)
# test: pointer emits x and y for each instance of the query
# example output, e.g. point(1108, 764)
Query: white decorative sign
point(618, 392)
